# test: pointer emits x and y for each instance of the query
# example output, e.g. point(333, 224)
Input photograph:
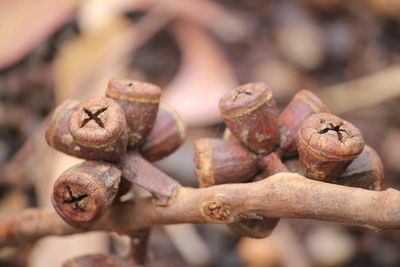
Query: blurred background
point(347, 52)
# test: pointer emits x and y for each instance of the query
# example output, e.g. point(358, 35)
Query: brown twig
point(32, 224)
point(14, 171)
point(138, 254)
point(284, 195)
point(367, 90)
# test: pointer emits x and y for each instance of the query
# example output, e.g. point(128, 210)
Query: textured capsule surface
point(168, 133)
point(327, 145)
point(251, 115)
point(140, 101)
point(221, 161)
point(57, 133)
point(83, 192)
point(366, 171)
point(256, 228)
point(98, 126)
point(303, 105)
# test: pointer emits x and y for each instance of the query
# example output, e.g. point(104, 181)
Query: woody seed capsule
point(327, 146)
point(57, 133)
point(83, 192)
point(366, 171)
point(255, 228)
point(303, 105)
point(251, 114)
point(221, 161)
point(168, 133)
point(98, 126)
point(139, 100)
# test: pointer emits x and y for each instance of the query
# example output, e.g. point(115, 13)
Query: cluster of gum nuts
point(120, 134)
point(304, 138)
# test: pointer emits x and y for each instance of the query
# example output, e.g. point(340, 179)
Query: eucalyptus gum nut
point(303, 105)
point(57, 133)
point(139, 101)
point(366, 171)
point(327, 146)
point(83, 192)
point(220, 161)
point(255, 228)
point(166, 136)
point(251, 115)
point(99, 128)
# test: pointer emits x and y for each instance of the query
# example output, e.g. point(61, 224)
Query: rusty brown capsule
point(303, 105)
point(366, 171)
point(98, 126)
point(139, 171)
point(251, 114)
point(327, 146)
point(255, 228)
point(83, 192)
point(221, 161)
point(140, 101)
point(168, 133)
point(57, 133)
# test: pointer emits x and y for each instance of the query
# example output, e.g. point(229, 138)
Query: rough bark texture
point(284, 195)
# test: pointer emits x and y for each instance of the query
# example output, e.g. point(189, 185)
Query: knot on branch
point(217, 210)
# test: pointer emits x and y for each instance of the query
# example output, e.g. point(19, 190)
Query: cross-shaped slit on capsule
point(93, 116)
point(341, 133)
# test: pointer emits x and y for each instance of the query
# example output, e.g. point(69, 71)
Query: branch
point(32, 224)
point(284, 195)
point(367, 90)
